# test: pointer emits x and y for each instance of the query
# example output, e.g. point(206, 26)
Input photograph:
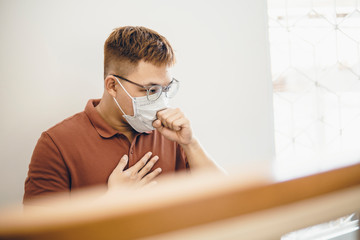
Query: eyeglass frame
point(147, 88)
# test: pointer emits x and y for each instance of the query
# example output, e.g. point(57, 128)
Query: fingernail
point(159, 170)
point(156, 158)
point(125, 157)
point(150, 153)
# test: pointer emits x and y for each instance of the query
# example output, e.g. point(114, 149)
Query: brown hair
point(126, 46)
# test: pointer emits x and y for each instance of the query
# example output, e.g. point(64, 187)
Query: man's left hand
point(173, 125)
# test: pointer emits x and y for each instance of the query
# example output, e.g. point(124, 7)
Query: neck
point(114, 118)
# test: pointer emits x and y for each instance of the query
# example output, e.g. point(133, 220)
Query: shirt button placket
point(131, 150)
point(131, 155)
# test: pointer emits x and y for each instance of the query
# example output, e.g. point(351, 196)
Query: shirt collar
point(101, 126)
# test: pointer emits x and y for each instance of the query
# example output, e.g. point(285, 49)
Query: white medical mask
point(144, 111)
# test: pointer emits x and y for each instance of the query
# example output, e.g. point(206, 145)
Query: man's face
point(146, 74)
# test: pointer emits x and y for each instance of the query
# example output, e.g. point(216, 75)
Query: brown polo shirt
point(83, 150)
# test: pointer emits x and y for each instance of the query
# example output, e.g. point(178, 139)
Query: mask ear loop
point(118, 105)
point(126, 93)
point(123, 88)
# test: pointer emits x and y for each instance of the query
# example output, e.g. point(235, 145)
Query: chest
point(90, 162)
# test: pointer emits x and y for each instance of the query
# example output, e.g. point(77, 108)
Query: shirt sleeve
point(181, 159)
point(47, 170)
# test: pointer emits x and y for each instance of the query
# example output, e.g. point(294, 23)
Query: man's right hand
point(134, 175)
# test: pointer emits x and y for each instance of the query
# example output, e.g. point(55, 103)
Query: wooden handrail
point(178, 204)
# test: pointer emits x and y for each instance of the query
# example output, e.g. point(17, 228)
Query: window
point(315, 63)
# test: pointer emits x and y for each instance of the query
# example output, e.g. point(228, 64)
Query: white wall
point(51, 63)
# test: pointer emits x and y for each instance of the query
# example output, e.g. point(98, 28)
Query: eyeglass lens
point(172, 89)
point(155, 91)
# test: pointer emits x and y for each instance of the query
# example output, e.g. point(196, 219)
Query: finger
point(181, 123)
point(141, 163)
point(148, 167)
point(164, 114)
point(176, 125)
point(148, 178)
point(170, 134)
point(122, 163)
point(157, 123)
point(166, 117)
point(171, 120)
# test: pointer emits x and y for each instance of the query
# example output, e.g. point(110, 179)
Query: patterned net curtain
point(315, 62)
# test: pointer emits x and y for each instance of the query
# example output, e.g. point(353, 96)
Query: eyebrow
point(141, 85)
point(152, 83)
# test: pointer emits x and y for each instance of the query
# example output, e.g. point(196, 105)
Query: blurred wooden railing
point(207, 206)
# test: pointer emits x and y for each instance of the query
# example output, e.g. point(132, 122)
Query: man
point(130, 135)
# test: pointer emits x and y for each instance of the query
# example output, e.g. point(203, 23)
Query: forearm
point(198, 158)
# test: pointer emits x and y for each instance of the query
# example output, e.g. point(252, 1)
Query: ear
point(110, 85)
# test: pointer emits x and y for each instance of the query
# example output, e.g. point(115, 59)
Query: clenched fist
point(173, 125)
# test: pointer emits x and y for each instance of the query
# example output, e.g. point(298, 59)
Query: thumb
point(157, 124)
point(168, 133)
point(122, 163)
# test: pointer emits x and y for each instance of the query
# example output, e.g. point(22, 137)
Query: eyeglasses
point(153, 92)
